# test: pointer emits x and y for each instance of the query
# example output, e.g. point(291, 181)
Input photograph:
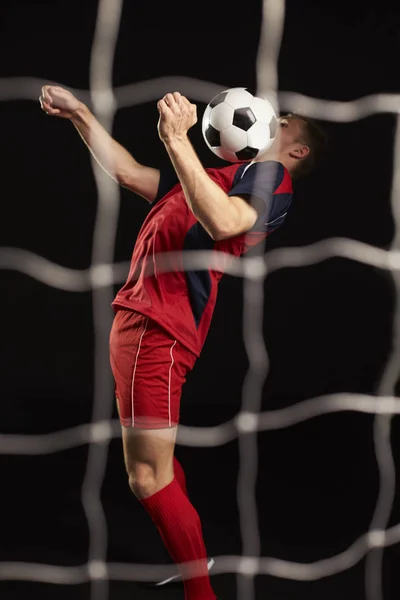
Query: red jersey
point(182, 301)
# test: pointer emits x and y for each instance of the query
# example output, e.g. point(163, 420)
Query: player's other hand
point(58, 102)
point(177, 116)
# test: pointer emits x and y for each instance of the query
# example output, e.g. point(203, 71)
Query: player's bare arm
point(111, 156)
point(221, 215)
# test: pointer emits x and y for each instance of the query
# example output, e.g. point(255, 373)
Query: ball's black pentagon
point(212, 136)
point(218, 99)
point(247, 153)
point(244, 118)
point(273, 124)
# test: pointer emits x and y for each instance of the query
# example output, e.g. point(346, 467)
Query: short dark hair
point(315, 137)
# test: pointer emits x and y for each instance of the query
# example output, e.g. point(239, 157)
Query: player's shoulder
point(225, 176)
point(224, 169)
point(270, 173)
point(274, 168)
point(238, 170)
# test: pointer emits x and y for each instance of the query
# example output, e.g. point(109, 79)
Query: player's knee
point(142, 480)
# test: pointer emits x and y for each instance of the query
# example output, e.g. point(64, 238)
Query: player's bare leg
point(149, 460)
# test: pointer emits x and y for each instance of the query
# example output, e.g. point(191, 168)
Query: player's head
point(301, 144)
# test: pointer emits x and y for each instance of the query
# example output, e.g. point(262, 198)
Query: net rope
point(103, 274)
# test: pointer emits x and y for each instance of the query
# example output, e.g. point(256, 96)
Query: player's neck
point(279, 157)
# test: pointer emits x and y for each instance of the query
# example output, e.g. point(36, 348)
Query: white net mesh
point(103, 274)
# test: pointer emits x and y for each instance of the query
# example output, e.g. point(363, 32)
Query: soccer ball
point(239, 126)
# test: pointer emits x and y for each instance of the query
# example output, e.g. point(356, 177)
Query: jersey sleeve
point(168, 178)
point(263, 181)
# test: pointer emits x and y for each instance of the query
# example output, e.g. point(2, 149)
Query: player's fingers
point(189, 107)
point(45, 93)
point(184, 104)
point(177, 97)
point(193, 111)
point(169, 100)
point(174, 104)
point(49, 110)
point(184, 100)
point(44, 105)
point(162, 106)
point(42, 99)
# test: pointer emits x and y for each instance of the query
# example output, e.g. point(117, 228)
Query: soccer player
point(163, 312)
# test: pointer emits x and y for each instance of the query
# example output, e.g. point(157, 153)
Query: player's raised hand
point(58, 102)
point(177, 116)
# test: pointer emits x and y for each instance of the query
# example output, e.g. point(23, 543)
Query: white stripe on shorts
point(169, 383)
point(134, 372)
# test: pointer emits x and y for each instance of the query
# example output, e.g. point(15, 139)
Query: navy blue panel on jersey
point(168, 178)
point(275, 215)
point(198, 282)
point(261, 180)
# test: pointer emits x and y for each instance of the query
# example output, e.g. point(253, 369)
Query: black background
point(327, 327)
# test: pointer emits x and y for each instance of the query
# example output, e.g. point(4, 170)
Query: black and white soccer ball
point(238, 125)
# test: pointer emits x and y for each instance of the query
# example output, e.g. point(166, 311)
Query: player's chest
point(170, 217)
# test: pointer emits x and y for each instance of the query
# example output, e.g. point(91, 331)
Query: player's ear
point(301, 151)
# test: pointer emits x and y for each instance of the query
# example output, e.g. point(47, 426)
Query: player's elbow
point(216, 229)
point(241, 219)
point(236, 220)
point(125, 180)
point(221, 234)
point(120, 177)
point(233, 229)
point(220, 230)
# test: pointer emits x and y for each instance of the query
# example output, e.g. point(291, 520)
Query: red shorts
point(149, 369)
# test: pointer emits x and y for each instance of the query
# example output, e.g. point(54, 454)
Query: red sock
point(180, 528)
point(180, 475)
